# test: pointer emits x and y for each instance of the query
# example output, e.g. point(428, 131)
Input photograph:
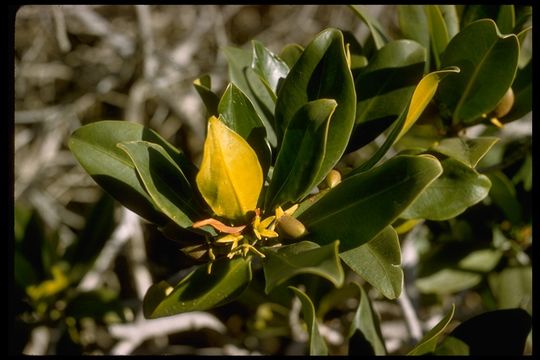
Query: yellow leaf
point(230, 177)
point(423, 93)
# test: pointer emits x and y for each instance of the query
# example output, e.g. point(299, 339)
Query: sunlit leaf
point(378, 262)
point(230, 178)
point(458, 188)
point(467, 150)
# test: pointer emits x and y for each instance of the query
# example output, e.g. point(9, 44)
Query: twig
point(61, 33)
point(413, 324)
point(147, 40)
point(131, 335)
point(118, 239)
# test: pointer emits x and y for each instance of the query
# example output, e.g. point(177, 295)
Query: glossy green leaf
point(438, 32)
point(429, 341)
point(301, 154)
point(317, 345)
point(361, 206)
point(384, 87)
point(488, 63)
point(458, 188)
point(358, 58)
point(203, 85)
point(321, 72)
point(269, 66)
point(467, 150)
point(163, 180)
point(375, 29)
point(366, 321)
point(452, 346)
point(522, 88)
point(230, 178)
point(304, 257)
point(503, 194)
point(496, 333)
point(506, 19)
point(94, 146)
point(238, 113)
point(247, 80)
point(379, 262)
point(290, 54)
point(199, 290)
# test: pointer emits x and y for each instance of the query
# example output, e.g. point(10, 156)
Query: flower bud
point(333, 178)
point(291, 227)
point(505, 104)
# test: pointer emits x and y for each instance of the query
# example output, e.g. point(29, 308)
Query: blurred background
point(87, 261)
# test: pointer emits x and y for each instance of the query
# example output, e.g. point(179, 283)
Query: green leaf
point(378, 262)
point(438, 32)
point(361, 206)
point(413, 24)
point(366, 322)
point(290, 54)
point(458, 188)
point(317, 345)
point(454, 267)
point(452, 346)
point(375, 29)
point(238, 113)
point(94, 146)
point(522, 88)
point(384, 87)
point(269, 66)
point(423, 93)
point(466, 150)
point(301, 153)
point(506, 19)
point(503, 194)
point(451, 19)
point(488, 63)
point(203, 85)
point(429, 341)
point(512, 287)
point(199, 290)
point(241, 74)
point(477, 12)
point(496, 333)
point(321, 72)
point(164, 181)
point(304, 257)
point(230, 178)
